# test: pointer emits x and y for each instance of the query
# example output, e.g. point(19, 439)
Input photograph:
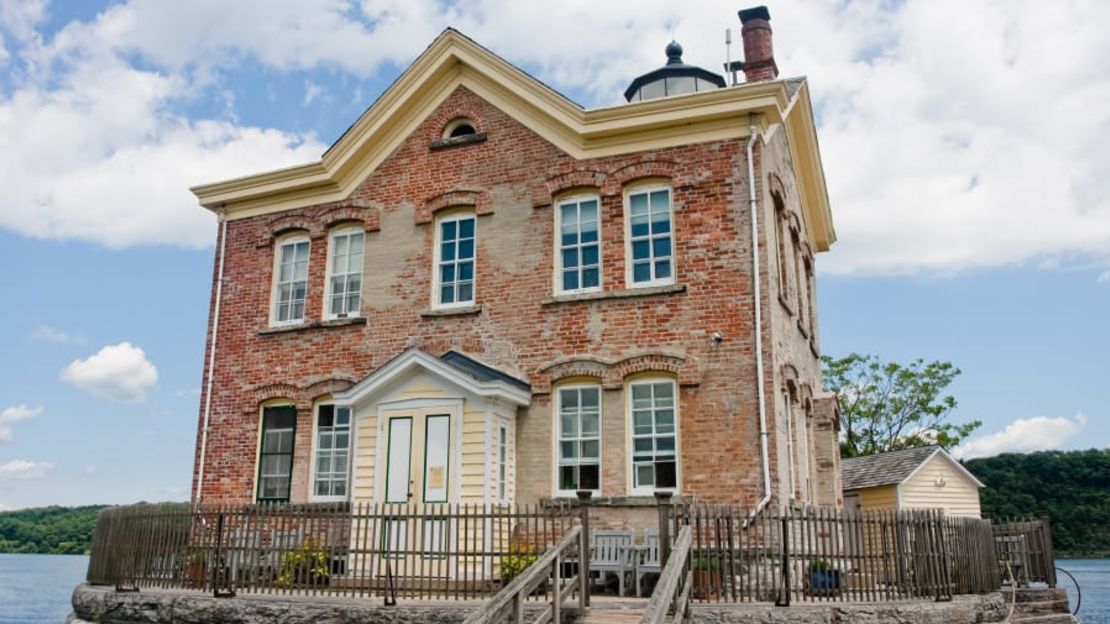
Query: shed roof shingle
point(884, 468)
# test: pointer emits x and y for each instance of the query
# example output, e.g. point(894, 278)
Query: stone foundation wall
point(102, 605)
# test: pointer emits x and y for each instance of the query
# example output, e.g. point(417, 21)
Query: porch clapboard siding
point(471, 478)
point(958, 496)
point(474, 436)
point(366, 446)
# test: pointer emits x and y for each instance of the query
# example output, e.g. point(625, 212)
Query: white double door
point(418, 479)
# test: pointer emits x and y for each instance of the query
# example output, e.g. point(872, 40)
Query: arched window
point(290, 283)
point(454, 278)
point(275, 451)
point(781, 232)
point(459, 127)
point(578, 438)
point(653, 428)
point(344, 279)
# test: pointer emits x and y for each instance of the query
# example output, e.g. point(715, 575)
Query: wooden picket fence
point(823, 554)
point(1026, 546)
point(447, 551)
point(471, 552)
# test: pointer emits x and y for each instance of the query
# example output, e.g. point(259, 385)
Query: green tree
point(887, 406)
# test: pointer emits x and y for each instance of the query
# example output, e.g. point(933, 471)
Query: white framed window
point(454, 260)
point(331, 464)
point(578, 421)
point(344, 280)
point(791, 457)
point(650, 236)
point(502, 463)
point(290, 281)
point(780, 234)
point(275, 453)
point(653, 422)
point(578, 253)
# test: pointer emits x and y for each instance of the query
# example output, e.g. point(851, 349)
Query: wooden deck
point(614, 610)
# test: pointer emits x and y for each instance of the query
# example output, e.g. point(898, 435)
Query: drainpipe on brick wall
point(763, 434)
point(212, 356)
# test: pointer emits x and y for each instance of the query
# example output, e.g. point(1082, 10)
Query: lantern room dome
point(674, 78)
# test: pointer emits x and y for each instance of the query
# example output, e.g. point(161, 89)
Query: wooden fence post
point(784, 597)
point(1049, 555)
point(584, 548)
point(663, 500)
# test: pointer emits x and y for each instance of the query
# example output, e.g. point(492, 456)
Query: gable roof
point(454, 367)
point(894, 467)
point(482, 372)
point(454, 60)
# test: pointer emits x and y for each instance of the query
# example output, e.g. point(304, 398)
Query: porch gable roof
point(454, 367)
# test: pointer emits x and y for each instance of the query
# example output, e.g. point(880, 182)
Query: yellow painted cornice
point(454, 60)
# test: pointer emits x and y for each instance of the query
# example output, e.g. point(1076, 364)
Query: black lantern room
point(674, 78)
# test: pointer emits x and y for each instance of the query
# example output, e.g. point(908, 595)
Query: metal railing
point(548, 570)
point(448, 551)
point(832, 555)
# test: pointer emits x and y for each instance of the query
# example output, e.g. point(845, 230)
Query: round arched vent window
point(459, 128)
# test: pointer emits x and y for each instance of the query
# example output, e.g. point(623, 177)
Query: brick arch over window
point(365, 216)
point(646, 363)
point(612, 373)
point(313, 391)
point(805, 396)
point(300, 396)
point(286, 223)
point(631, 172)
point(776, 187)
point(794, 222)
point(570, 180)
point(479, 199)
point(453, 110)
point(271, 392)
point(790, 379)
point(567, 368)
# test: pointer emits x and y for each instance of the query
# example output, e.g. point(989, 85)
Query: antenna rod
point(728, 56)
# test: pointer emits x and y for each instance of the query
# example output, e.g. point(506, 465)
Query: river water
point(35, 589)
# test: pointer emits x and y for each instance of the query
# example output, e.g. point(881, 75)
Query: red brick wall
point(510, 179)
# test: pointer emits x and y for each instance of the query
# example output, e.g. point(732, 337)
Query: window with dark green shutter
point(275, 458)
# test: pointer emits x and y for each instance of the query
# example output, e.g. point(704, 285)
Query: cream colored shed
point(924, 477)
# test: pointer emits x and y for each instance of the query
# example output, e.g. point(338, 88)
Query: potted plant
point(824, 580)
point(196, 567)
point(518, 560)
point(307, 565)
point(707, 576)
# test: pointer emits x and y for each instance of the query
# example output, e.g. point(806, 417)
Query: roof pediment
point(454, 60)
point(459, 370)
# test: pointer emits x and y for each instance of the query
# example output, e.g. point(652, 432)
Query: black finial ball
point(674, 52)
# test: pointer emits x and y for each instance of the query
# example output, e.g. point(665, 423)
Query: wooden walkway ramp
point(613, 610)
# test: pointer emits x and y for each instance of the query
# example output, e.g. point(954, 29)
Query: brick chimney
point(759, 55)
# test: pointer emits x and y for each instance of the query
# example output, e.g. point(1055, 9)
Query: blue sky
point(974, 221)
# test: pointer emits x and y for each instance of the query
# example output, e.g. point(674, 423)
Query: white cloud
point(117, 372)
point(22, 469)
point(311, 92)
point(1023, 436)
point(949, 143)
point(52, 334)
point(14, 414)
